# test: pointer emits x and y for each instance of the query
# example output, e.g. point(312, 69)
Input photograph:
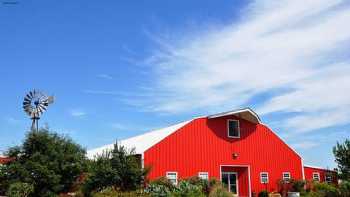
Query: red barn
point(4, 160)
point(314, 173)
point(234, 147)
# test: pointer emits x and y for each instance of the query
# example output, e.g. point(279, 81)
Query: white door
point(229, 179)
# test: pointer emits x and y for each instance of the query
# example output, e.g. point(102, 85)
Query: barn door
point(229, 179)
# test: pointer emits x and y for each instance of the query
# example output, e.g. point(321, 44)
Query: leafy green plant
point(110, 192)
point(297, 185)
point(160, 187)
point(342, 157)
point(20, 189)
point(219, 191)
point(187, 189)
point(118, 168)
point(46, 160)
point(263, 193)
point(344, 189)
point(326, 190)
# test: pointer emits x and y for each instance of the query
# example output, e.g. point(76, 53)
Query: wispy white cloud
point(105, 76)
point(304, 145)
point(102, 92)
point(77, 113)
point(299, 45)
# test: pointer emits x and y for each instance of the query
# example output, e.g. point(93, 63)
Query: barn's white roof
point(246, 114)
point(143, 142)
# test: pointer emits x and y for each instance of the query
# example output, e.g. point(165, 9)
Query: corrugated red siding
point(310, 170)
point(203, 145)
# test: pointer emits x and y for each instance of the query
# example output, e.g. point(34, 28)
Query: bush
point(219, 191)
point(263, 193)
point(204, 184)
point(312, 194)
point(344, 188)
point(118, 168)
point(20, 190)
point(49, 162)
point(297, 185)
point(326, 190)
point(187, 189)
point(160, 187)
point(110, 192)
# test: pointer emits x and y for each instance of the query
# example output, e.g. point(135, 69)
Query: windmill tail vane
point(35, 104)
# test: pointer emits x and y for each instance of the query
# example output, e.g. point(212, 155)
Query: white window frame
point(286, 178)
point(318, 176)
point(267, 177)
point(167, 176)
point(228, 128)
point(326, 176)
point(205, 174)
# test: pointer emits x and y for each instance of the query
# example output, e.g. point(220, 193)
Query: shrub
point(344, 188)
point(187, 189)
point(297, 185)
point(20, 189)
point(263, 193)
point(204, 184)
point(312, 194)
point(49, 162)
point(110, 192)
point(219, 191)
point(160, 187)
point(118, 168)
point(326, 190)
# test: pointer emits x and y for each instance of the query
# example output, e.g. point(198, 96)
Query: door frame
point(229, 187)
point(244, 166)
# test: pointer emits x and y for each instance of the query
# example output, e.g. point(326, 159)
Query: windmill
point(35, 104)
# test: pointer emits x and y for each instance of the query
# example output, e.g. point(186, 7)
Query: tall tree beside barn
point(342, 157)
point(47, 161)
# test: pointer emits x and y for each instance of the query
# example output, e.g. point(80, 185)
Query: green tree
point(342, 157)
point(48, 161)
point(118, 168)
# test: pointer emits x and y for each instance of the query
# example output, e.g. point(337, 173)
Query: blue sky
point(120, 68)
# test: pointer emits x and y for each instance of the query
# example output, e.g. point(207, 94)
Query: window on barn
point(203, 175)
point(329, 178)
point(264, 177)
point(286, 176)
point(233, 129)
point(172, 177)
point(316, 176)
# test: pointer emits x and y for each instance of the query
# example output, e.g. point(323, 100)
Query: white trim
point(289, 176)
point(142, 160)
point(302, 168)
point(317, 167)
point(245, 166)
point(199, 173)
point(233, 112)
point(229, 187)
point(228, 128)
point(313, 176)
point(267, 176)
point(172, 172)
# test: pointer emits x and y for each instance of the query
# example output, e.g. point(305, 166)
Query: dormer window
point(233, 129)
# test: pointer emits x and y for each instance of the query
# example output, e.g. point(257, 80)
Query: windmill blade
point(31, 94)
point(27, 99)
point(42, 108)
